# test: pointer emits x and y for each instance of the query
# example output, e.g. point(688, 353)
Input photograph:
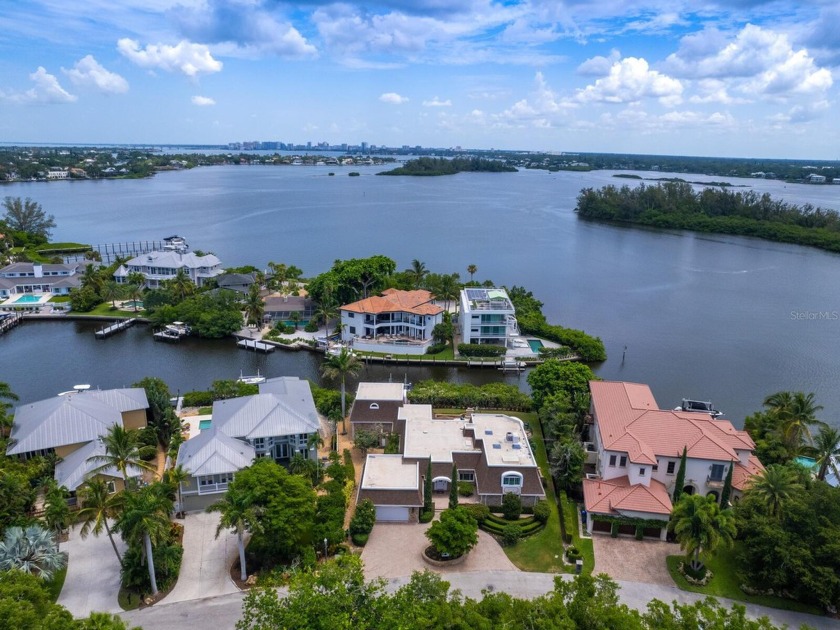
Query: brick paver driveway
point(393, 550)
point(626, 558)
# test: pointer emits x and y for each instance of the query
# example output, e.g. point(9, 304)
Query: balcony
point(715, 482)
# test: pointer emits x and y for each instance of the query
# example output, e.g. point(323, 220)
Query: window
point(655, 467)
point(670, 469)
point(623, 461)
point(352, 330)
point(112, 487)
point(612, 460)
point(466, 475)
point(351, 315)
point(642, 471)
point(374, 405)
point(512, 480)
point(717, 472)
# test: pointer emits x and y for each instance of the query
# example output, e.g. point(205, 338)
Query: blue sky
point(733, 77)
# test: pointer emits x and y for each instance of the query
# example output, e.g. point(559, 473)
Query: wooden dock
point(9, 321)
point(113, 329)
point(256, 346)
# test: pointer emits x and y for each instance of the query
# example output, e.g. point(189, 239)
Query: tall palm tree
point(111, 291)
point(123, 450)
point(254, 306)
point(827, 450)
point(775, 488)
point(796, 413)
point(448, 288)
point(339, 366)
point(33, 550)
point(6, 419)
point(471, 269)
point(98, 504)
point(418, 271)
point(145, 520)
point(237, 512)
point(174, 477)
point(325, 311)
point(134, 292)
point(91, 278)
point(701, 527)
point(181, 285)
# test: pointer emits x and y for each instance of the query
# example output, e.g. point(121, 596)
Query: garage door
point(391, 513)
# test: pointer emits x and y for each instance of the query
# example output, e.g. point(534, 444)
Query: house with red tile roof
point(639, 449)
point(397, 322)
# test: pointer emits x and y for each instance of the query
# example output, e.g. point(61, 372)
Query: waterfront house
point(491, 452)
point(277, 422)
point(637, 450)
point(376, 407)
point(239, 282)
point(487, 316)
point(70, 426)
point(159, 266)
point(280, 308)
point(397, 322)
point(36, 278)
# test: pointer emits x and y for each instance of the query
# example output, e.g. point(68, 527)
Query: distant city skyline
point(708, 78)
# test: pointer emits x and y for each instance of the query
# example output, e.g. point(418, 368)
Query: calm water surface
point(727, 318)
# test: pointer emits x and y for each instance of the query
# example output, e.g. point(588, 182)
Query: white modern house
point(399, 322)
point(277, 423)
point(159, 266)
point(35, 278)
point(638, 451)
point(487, 316)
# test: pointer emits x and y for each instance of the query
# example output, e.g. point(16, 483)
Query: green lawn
point(55, 585)
point(105, 309)
point(447, 354)
point(128, 599)
point(726, 583)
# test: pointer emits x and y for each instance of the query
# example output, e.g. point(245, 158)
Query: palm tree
point(339, 366)
point(701, 527)
point(136, 278)
point(91, 278)
point(448, 288)
point(471, 269)
point(826, 450)
point(33, 550)
point(123, 450)
point(110, 292)
point(254, 306)
point(417, 271)
point(796, 413)
point(145, 520)
point(775, 488)
point(98, 504)
point(325, 312)
point(295, 317)
point(134, 292)
point(237, 512)
point(174, 477)
point(181, 285)
point(6, 420)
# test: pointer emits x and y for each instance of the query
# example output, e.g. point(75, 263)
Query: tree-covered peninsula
point(427, 166)
point(747, 213)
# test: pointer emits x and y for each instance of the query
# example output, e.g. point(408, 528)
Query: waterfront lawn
point(58, 299)
point(726, 583)
point(447, 354)
point(107, 310)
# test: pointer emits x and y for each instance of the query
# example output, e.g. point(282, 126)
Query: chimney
point(38, 270)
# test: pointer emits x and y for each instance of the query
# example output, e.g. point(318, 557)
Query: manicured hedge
point(480, 350)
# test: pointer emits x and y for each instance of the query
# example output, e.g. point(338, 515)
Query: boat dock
point(113, 329)
point(9, 321)
point(256, 346)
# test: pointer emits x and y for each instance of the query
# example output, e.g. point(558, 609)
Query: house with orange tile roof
point(639, 449)
point(397, 322)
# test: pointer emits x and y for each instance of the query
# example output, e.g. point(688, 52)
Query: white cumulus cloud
point(90, 73)
point(436, 102)
point(393, 98)
point(186, 57)
point(630, 80)
point(47, 89)
point(203, 101)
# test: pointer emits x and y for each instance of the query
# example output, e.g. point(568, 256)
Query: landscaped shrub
point(282, 329)
point(614, 529)
point(542, 511)
point(364, 518)
point(463, 395)
point(466, 488)
point(511, 535)
point(198, 399)
point(311, 327)
point(511, 506)
point(360, 540)
point(349, 468)
point(480, 350)
point(426, 516)
point(573, 554)
point(436, 348)
point(640, 532)
point(478, 511)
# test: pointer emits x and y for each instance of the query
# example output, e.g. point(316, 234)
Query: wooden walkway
point(9, 321)
point(113, 329)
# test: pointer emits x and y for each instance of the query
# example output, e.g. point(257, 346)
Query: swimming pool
point(535, 344)
point(28, 299)
point(204, 424)
point(133, 304)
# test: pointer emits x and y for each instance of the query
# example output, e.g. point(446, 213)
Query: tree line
point(678, 205)
point(428, 166)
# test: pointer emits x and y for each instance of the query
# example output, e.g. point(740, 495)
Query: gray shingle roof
point(71, 419)
point(212, 452)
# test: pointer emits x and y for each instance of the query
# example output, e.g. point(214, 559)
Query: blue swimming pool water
point(204, 424)
point(535, 344)
point(28, 299)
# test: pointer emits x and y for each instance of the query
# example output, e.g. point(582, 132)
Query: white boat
point(699, 406)
point(251, 380)
point(77, 389)
point(179, 329)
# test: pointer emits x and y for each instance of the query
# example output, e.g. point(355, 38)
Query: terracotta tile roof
point(629, 420)
point(617, 495)
point(393, 300)
point(742, 474)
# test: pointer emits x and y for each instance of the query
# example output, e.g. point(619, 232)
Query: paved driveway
point(393, 550)
point(626, 558)
point(205, 568)
point(93, 574)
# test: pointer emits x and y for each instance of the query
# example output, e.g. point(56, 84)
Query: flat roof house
point(400, 322)
point(639, 449)
point(159, 266)
point(376, 407)
point(487, 316)
point(70, 426)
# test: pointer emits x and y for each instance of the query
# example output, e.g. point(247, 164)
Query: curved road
point(223, 612)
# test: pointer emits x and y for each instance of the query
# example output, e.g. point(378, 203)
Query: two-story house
point(400, 322)
point(487, 316)
point(639, 449)
point(48, 279)
point(159, 266)
point(376, 407)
